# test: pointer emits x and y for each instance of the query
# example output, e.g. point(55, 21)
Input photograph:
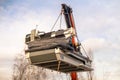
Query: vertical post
point(67, 11)
point(73, 76)
point(33, 34)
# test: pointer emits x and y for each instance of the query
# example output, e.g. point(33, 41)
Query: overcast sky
point(97, 23)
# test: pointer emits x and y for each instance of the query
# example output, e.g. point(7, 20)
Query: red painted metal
point(70, 23)
point(72, 20)
point(74, 76)
point(74, 42)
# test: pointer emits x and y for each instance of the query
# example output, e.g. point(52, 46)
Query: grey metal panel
point(51, 58)
point(42, 56)
point(70, 60)
point(42, 52)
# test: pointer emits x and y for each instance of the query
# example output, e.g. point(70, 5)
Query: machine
point(58, 50)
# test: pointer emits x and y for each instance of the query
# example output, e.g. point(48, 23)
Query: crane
point(58, 50)
point(67, 11)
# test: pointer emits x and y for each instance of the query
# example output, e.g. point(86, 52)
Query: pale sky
point(97, 23)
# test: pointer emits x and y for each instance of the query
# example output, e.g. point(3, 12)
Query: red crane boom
point(67, 11)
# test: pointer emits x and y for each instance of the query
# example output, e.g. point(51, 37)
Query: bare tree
point(19, 67)
point(22, 70)
point(90, 74)
point(80, 76)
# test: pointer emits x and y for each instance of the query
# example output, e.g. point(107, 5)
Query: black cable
point(55, 22)
point(81, 45)
point(84, 51)
point(60, 20)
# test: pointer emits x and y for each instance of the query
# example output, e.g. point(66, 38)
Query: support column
point(74, 76)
